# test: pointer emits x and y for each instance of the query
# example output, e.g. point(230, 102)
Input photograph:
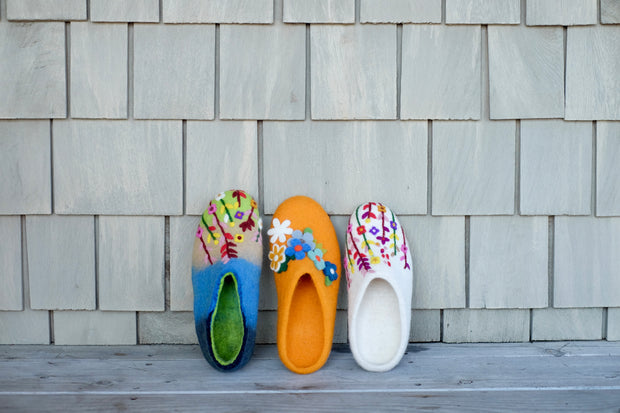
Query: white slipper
point(380, 282)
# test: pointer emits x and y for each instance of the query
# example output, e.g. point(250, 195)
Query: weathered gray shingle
point(483, 11)
point(182, 237)
point(470, 326)
point(556, 167)
point(32, 63)
point(586, 262)
point(11, 294)
point(124, 11)
point(508, 262)
point(220, 156)
point(400, 11)
point(567, 324)
point(174, 71)
point(366, 160)
point(592, 81)
point(526, 72)
point(440, 72)
point(167, 328)
point(25, 167)
point(607, 168)
point(353, 71)
point(98, 70)
point(46, 9)
point(610, 11)
point(94, 328)
point(263, 72)
point(318, 11)
point(12, 326)
point(561, 12)
point(217, 11)
point(61, 262)
point(131, 263)
point(120, 167)
point(473, 168)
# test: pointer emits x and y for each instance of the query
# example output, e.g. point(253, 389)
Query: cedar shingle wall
point(490, 126)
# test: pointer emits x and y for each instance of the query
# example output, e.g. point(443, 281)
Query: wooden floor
point(575, 376)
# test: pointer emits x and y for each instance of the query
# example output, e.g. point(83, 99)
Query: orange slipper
point(305, 258)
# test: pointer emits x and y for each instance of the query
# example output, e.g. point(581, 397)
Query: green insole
point(227, 322)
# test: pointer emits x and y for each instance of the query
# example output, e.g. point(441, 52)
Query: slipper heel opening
point(227, 328)
point(378, 324)
point(305, 332)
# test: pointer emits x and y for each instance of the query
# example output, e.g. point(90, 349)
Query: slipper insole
point(378, 323)
point(304, 334)
point(227, 326)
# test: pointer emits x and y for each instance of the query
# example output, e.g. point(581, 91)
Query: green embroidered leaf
point(328, 282)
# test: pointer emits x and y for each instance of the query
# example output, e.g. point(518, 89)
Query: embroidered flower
point(404, 248)
point(199, 232)
point(239, 215)
point(212, 209)
point(316, 256)
point(276, 256)
point(393, 225)
point(306, 236)
point(330, 271)
point(239, 238)
point(361, 230)
point(381, 208)
point(297, 248)
point(374, 230)
point(375, 260)
point(253, 204)
point(220, 196)
point(279, 231)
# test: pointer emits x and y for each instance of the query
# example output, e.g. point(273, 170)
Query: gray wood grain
point(470, 325)
point(220, 156)
point(556, 167)
point(12, 325)
point(131, 263)
point(25, 167)
point(118, 167)
point(607, 171)
point(425, 326)
point(526, 72)
point(561, 12)
point(307, 158)
point(182, 236)
point(400, 11)
point(214, 11)
point(567, 323)
point(353, 72)
point(483, 11)
point(592, 81)
point(99, 70)
point(440, 72)
point(94, 328)
point(167, 328)
point(61, 262)
point(610, 12)
point(32, 63)
point(508, 262)
point(124, 11)
point(586, 262)
point(437, 247)
point(473, 168)
point(613, 324)
point(262, 72)
point(11, 293)
point(318, 11)
point(46, 9)
point(174, 71)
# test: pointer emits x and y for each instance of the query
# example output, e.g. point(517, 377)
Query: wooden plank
point(270, 401)
point(424, 368)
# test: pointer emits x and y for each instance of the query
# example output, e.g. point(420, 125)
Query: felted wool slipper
point(305, 258)
point(380, 282)
point(226, 267)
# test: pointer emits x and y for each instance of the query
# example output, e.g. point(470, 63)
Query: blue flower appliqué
point(330, 272)
point(298, 246)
